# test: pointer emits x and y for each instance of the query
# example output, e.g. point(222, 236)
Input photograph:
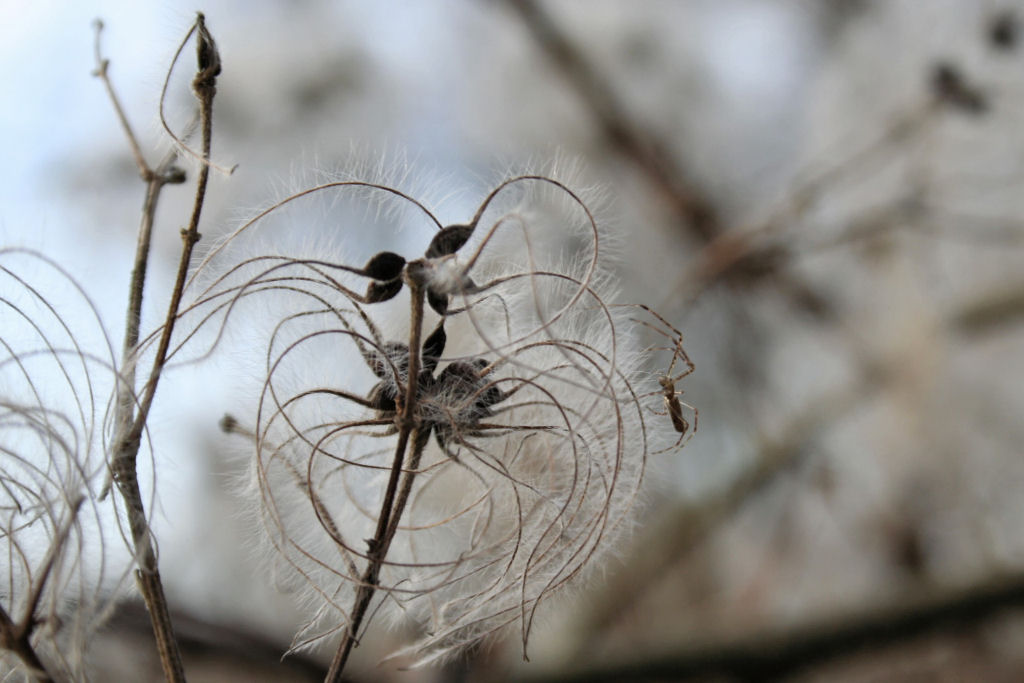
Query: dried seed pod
point(438, 302)
point(382, 291)
point(433, 347)
point(449, 240)
point(386, 265)
point(521, 442)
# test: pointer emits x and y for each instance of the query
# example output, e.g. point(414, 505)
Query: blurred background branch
point(824, 198)
point(785, 652)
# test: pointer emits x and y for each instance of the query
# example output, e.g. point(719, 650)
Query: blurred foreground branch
point(992, 311)
point(774, 655)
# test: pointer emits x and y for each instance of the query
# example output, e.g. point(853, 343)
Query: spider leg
point(680, 354)
point(668, 331)
point(684, 436)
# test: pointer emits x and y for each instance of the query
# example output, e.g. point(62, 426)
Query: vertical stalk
point(130, 427)
point(391, 508)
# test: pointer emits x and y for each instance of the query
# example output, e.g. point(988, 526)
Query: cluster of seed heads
point(528, 418)
point(449, 404)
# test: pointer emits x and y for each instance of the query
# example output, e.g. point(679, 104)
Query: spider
point(667, 381)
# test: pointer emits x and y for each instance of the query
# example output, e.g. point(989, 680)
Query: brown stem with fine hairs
point(17, 637)
point(130, 427)
point(166, 173)
point(392, 507)
point(14, 638)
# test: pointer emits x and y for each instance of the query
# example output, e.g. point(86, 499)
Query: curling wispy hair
point(533, 416)
point(57, 377)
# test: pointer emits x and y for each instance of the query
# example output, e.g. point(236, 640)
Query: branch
point(101, 72)
point(15, 638)
point(166, 173)
point(774, 655)
point(694, 211)
point(615, 122)
point(130, 427)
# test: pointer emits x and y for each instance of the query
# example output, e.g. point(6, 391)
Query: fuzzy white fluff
point(535, 492)
point(57, 374)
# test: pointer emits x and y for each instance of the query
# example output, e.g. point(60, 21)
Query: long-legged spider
point(667, 381)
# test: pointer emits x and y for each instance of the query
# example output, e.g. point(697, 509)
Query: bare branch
point(696, 213)
point(16, 639)
point(130, 428)
point(775, 655)
point(616, 125)
point(102, 65)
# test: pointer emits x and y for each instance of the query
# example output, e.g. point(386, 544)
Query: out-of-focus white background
point(856, 333)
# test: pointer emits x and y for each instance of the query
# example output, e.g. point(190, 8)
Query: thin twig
point(14, 638)
point(205, 87)
point(17, 637)
point(391, 509)
point(212, 69)
point(129, 427)
point(166, 173)
point(101, 72)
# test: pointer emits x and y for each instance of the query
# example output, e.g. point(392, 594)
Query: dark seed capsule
point(449, 240)
point(382, 397)
point(383, 362)
point(386, 265)
point(382, 291)
point(433, 347)
point(492, 394)
point(439, 302)
point(462, 384)
point(228, 424)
